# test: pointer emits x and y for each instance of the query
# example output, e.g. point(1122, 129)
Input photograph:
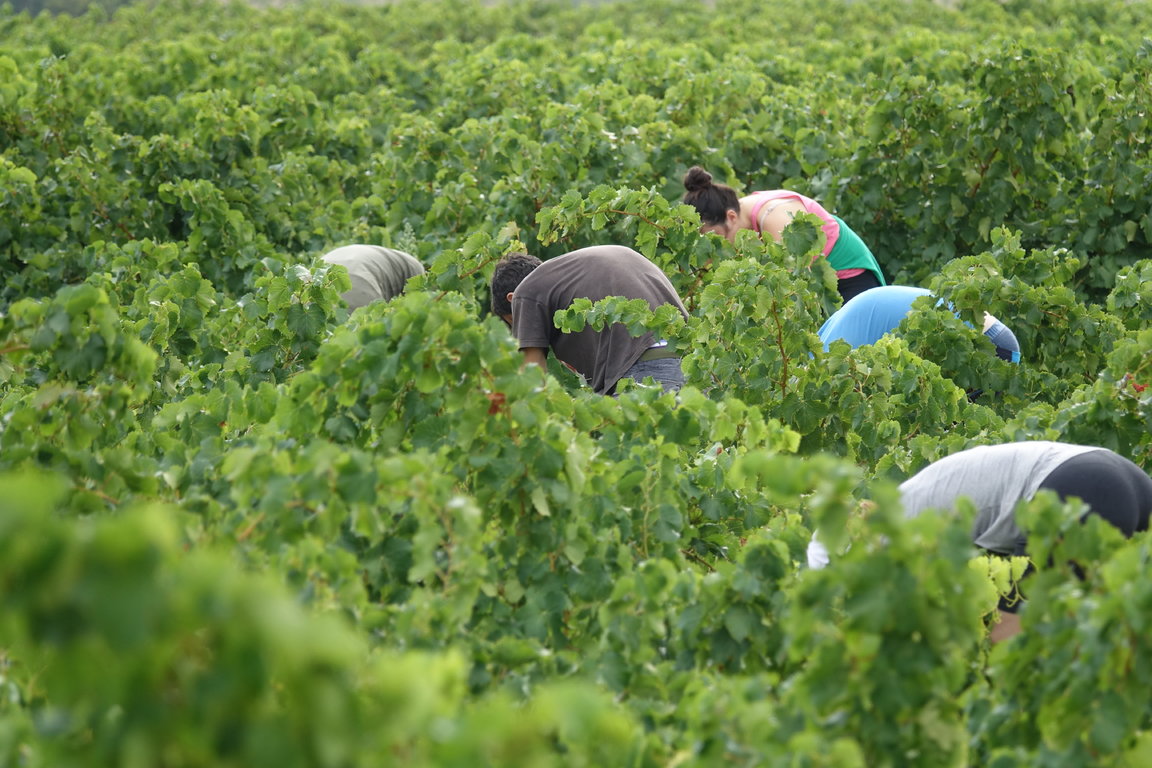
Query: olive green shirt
point(377, 273)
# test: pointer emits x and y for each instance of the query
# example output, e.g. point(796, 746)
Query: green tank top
point(850, 252)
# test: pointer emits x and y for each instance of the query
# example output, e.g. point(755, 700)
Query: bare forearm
point(535, 356)
point(1007, 625)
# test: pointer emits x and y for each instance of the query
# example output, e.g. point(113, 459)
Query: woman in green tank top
point(723, 213)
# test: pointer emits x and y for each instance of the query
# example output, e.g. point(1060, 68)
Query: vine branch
point(640, 216)
point(983, 171)
point(780, 346)
point(697, 559)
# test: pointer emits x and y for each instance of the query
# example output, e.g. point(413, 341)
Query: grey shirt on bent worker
point(377, 273)
point(995, 478)
point(601, 357)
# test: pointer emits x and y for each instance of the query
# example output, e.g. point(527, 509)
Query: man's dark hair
point(510, 272)
point(712, 201)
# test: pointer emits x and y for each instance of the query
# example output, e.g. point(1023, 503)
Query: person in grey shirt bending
point(995, 478)
point(526, 293)
point(377, 273)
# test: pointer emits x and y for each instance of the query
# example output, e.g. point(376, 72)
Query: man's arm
point(531, 325)
point(1006, 626)
point(535, 356)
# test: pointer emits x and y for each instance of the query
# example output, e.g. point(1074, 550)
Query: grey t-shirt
point(995, 478)
point(377, 273)
point(601, 357)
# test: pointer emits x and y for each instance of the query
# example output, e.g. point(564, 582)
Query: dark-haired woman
point(725, 214)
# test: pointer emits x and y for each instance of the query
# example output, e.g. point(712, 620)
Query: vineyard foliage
point(240, 526)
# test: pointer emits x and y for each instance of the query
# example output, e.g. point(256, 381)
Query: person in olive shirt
point(526, 293)
point(377, 273)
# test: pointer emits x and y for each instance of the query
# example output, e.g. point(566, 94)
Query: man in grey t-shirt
point(526, 293)
point(996, 478)
point(377, 273)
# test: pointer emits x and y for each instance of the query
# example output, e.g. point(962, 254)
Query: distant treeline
point(74, 7)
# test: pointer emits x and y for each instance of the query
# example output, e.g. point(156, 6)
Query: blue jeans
point(666, 372)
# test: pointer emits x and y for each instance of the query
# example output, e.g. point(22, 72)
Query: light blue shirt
point(867, 316)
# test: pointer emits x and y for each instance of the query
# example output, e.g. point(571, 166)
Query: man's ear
point(509, 297)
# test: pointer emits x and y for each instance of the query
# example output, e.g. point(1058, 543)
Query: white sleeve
point(817, 553)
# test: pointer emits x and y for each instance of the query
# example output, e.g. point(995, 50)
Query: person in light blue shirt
point(868, 316)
